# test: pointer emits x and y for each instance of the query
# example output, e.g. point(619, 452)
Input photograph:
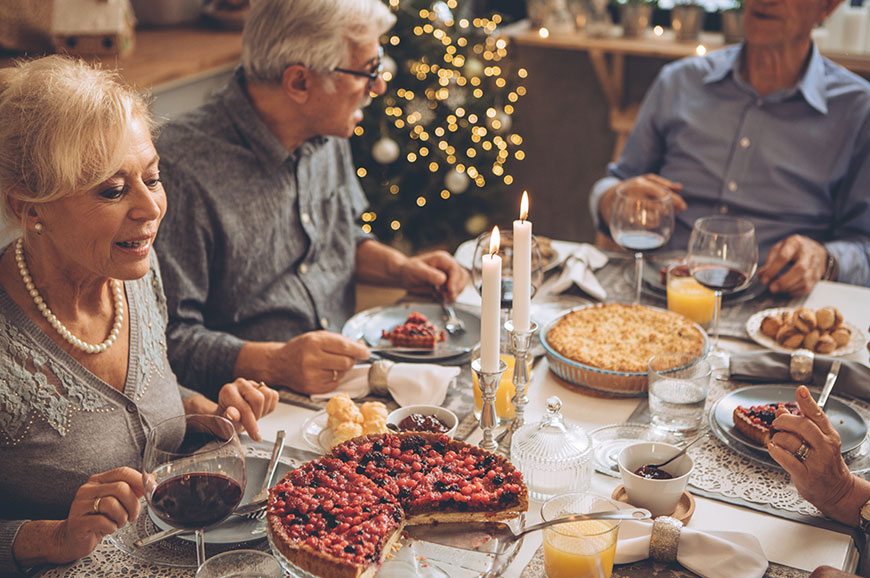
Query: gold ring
point(802, 452)
point(96, 507)
point(261, 385)
point(334, 375)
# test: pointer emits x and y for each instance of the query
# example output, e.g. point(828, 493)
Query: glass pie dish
point(596, 379)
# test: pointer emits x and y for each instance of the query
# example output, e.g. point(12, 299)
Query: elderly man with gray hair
point(260, 247)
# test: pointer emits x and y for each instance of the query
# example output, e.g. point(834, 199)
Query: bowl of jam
point(428, 418)
point(658, 489)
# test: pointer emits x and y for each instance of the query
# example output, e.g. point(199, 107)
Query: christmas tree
point(433, 152)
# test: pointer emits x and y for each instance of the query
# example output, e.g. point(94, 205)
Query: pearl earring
point(38, 227)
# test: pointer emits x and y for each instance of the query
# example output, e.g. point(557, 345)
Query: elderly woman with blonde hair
point(85, 374)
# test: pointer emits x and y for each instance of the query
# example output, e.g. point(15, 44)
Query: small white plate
point(753, 328)
point(316, 433)
point(464, 253)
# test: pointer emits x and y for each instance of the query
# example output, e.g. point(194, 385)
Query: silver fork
point(267, 480)
point(452, 324)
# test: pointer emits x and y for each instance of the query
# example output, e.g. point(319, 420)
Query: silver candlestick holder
point(520, 343)
point(488, 382)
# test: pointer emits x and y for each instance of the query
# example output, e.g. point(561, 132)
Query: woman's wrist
point(39, 542)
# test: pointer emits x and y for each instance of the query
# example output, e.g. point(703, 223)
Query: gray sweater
point(60, 424)
point(258, 242)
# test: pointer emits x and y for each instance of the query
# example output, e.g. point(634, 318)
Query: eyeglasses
point(373, 75)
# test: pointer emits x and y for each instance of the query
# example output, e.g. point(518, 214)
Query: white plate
point(237, 529)
point(464, 253)
point(753, 328)
point(316, 434)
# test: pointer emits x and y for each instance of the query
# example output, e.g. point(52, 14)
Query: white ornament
point(456, 182)
point(500, 123)
point(117, 294)
point(385, 151)
point(473, 67)
point(389, 65)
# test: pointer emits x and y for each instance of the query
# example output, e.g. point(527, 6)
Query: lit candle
point(490, 306)
point(522, 268)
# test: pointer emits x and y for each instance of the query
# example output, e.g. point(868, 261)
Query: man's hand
point(655, 183)
point(435, 272)
point(313, 362)
point(808, 261)
point(828, 572)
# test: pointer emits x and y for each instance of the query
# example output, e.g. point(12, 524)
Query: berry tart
point(416, 331)
point(756, 422)
point(341, 515)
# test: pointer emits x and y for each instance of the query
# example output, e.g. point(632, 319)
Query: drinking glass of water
point(678, 384)
point(642, 220)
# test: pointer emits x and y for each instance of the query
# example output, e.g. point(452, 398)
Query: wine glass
point(194, 473)
point(722, 256)
point(642, 219)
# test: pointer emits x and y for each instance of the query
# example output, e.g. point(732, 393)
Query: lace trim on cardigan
point(35, 385)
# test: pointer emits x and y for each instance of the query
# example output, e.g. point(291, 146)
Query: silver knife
point(421, 350)
point(162, 535)
point(829, 383)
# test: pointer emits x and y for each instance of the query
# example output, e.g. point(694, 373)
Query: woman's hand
point(822, 477)
point(243, 402)
point(106, 502)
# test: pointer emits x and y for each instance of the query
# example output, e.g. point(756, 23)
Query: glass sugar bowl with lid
point(554, 457)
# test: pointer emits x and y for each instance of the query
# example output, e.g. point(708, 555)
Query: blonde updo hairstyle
point(65, 126)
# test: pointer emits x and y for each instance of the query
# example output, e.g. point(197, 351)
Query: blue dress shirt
point(796, 161)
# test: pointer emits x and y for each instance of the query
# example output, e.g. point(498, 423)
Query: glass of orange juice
point(688, 297)
point(504, 409)
point(579, 549)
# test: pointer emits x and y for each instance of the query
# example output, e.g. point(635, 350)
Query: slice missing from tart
point(342, 514)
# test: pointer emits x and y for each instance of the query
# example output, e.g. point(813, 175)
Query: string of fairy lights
point(451, 104)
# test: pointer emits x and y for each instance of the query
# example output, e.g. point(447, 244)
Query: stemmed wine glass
point(194, 473)
point(642, 219)
point(722, 255)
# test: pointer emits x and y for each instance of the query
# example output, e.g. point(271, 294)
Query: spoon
point(681, 452)
point(495, 537)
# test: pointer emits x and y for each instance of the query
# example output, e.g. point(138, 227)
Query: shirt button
point(131, 407)
point(744, 142)
point(305, 218)
point(303, 269)
point(723, 209)
point(324, 322)
point(732, 186)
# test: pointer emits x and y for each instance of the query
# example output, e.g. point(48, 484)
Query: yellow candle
point(504, 409)
point(688, 297)
point(571, 552)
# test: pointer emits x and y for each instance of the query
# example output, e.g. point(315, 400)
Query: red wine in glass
point(720, 278)
point(195, 500)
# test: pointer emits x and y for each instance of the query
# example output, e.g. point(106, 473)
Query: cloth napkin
point(772, 366)
point(707, 554)
point(407, 383)
point(579, 270)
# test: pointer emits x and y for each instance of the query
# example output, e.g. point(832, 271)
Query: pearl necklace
point(117, 293)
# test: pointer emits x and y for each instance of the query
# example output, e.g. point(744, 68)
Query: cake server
point(496, 537)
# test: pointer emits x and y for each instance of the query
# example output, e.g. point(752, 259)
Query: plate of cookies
point(822, 330)
point(342, 420)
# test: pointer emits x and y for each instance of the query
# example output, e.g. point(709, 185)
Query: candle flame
point(524, 206)
point(494, 241)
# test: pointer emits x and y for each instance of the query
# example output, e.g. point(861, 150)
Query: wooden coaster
point(683, 513)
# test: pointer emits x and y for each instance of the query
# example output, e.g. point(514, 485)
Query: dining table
point(730, 492)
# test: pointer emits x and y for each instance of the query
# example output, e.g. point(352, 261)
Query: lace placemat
point(650, 569)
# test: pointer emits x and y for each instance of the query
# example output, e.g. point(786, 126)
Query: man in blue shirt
point(770, 131)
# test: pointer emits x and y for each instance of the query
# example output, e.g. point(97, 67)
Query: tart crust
point(368, 488)
point(754, 422)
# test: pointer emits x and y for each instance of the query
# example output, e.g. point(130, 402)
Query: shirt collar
point(254, 131)
point(811, 85)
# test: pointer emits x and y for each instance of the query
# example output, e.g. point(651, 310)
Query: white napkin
point(707, 554)
point(578, 269)
point(408, 383)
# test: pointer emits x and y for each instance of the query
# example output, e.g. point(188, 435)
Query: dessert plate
point(236, 529)
point(316, 434)
point(848, 422)
point(368, 326)
point(753, 328)
point(608, 441)
point(464, 253)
